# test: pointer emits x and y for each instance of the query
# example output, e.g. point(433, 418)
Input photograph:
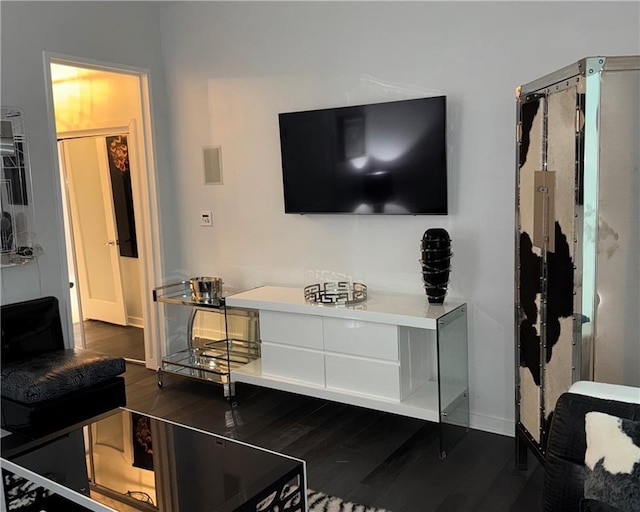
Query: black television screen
point(383, 158)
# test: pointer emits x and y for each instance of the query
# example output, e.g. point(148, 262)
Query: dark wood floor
point(368, 457)
point(115, 340)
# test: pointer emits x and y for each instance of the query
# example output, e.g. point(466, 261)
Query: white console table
point(392, 353)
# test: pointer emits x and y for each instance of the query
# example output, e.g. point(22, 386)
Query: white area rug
point(319, 502)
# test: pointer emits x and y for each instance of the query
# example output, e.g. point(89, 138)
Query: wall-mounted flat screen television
point(382, 158)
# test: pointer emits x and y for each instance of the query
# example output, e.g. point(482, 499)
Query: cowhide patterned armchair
point(46, 387)
point(593, 453)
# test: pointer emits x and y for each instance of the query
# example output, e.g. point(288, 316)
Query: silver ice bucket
point(204, 289)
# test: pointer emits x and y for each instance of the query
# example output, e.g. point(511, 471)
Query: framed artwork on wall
point(120, 173)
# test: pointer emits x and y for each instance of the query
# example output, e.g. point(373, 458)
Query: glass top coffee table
point(131, 461)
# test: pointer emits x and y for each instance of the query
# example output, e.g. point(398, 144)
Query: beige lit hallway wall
point(86, 99)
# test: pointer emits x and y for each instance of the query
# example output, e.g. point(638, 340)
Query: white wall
point(90, 30)
point(231, 67)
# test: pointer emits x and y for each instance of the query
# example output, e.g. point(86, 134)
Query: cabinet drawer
point(369, 339)
point(376, 378)
point(291, 329)
point(293, 363)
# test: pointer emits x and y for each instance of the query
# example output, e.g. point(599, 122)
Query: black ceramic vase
point(436, 263)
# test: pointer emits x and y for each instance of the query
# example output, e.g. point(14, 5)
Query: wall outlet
point(206, 218)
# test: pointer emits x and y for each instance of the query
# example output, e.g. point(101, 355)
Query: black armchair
point(565, 470)
point(44, 386)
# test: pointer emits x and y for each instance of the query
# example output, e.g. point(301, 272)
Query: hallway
point(115, 340)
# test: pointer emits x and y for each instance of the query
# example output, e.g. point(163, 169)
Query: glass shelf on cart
point(197, 373)
point(215, 355)
point(200, 359)
point(180, 293)
point(241, 351)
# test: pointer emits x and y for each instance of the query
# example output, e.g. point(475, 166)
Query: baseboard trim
point(135, 321)
point(492, 424)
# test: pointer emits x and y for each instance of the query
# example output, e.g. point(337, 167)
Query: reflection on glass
point(360, 162)
point(172, 467)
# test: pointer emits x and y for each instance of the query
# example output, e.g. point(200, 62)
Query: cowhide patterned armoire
point(577, 283)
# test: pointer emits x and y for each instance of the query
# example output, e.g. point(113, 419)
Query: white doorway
point(92, 104)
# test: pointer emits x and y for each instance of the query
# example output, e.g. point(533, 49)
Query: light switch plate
point(206, 218)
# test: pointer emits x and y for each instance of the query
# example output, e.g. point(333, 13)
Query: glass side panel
point(617, 245)
point(453, 378)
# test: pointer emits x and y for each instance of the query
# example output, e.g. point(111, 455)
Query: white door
point(94, 229)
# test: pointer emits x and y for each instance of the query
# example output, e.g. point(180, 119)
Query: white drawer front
point(291, 329)
point(293, 363)
point(374, 378)
point(369, 339)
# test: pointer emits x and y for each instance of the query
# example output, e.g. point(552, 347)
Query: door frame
point(145, 193)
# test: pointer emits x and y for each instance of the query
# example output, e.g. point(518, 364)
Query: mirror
point(16, 196)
